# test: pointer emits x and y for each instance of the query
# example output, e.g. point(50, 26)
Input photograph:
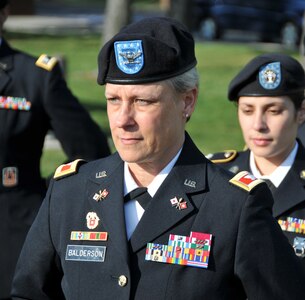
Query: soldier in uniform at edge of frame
point(156, 220)
point(34, 98)
point(269, 92)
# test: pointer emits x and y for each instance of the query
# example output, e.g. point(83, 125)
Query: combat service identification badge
point(129, 56)
point(92, 220)
point(9, 176)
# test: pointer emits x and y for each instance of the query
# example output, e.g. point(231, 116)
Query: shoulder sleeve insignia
point(46, 62)
point(68, 169)
point(245, 180)
point(222, 157)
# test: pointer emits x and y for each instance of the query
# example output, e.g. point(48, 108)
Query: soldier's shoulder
point(68, 169)
point(46, 62)
point(222, 157)
point(245, 181)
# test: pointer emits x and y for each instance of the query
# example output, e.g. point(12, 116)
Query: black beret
point(3, 3)
point(149, 50)
point(271, 74)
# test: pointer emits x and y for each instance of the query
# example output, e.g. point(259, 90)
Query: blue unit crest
point(129, 56)
point(270, 76)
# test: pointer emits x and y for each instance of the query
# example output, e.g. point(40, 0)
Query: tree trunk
point(117, 15)
point(182, 11)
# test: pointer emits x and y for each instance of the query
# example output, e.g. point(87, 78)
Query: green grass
point(213, 126)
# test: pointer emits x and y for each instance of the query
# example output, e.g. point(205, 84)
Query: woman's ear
point(301, 113)
point(190, 99)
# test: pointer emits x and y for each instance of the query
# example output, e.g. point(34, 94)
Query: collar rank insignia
point(68, 169)
point(92, 220)
point(193, 250)
point(245, 180)
point(101, 195)
point(270, 76)
point(129, 56)
point(178, 203)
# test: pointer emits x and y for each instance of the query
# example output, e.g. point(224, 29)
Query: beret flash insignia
point(129, 56)
point(270, 76)
point(46, 62)
point(245, 180)
point(68, 169)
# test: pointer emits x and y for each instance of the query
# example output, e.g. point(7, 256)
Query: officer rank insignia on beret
point(245, 180)
point(270, 76)
point(46, 62)
point(129, 56)
point(68, 169)
point(222, 157)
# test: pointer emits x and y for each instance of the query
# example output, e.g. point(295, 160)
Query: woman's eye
point(113, 100)
point(142, 102)
point(247, 111)
point(274, 111)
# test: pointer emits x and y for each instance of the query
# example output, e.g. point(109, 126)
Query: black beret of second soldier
point(271, 74)
point(150, 50)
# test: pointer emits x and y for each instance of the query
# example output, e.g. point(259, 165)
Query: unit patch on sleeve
point(68, 169)
point(245, 181)
point(46, 62)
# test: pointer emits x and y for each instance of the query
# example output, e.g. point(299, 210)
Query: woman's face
point(269, 125)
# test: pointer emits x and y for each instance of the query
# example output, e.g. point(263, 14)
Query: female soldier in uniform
point(269, 93)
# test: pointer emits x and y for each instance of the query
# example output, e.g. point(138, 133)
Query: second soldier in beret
point(156, 220)
point(269, 92)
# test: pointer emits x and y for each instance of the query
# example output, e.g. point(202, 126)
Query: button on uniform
point(122, 281)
